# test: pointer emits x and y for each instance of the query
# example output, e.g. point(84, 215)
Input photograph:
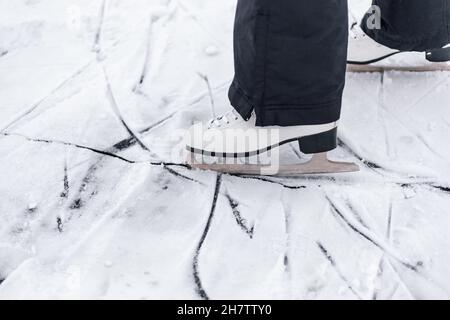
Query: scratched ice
point(95, 201)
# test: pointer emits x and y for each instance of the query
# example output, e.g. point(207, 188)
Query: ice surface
point(94, 205)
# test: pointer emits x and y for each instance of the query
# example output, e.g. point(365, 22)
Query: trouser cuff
point(282, 115)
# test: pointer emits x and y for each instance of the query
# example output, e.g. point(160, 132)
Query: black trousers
point(290, 55)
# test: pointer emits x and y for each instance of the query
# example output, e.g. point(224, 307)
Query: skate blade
point(319, 164)
point(430, 67)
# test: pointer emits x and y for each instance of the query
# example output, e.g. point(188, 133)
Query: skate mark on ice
point(370, 164)
point(119, 147)
point(322, 178)
point(65, 193)
point(148, 52)
point(138, 87)
point(115, 107)
point(442, 188)
point(364, 235)
point(158, 123)
point(116, 110)
point(370, 238)
point(380, 271)
point(210, 93)
point(403, 282)
point(367, 163)
point(75, 145)
point(179, 175)
point(59, 224)
point(433, 187)
point(424, 276)
point(98, 35)
point(148, 46)
point(384, 264)
point(199, 286)
point(242, 223)
point(287, 210)
point(42, 100)
point(333, 263)
point(78, 202)
point(64, 196)
point(123, 145)
point(110, 153)
point(195, 100)
point(382, 118)
point(357, 216)
point(53, 92)
point(131, 141)
point(81, 199)
point(268, 181)
point(169, 164)
point(389, 227)
point(91, 171)
point(56, 89)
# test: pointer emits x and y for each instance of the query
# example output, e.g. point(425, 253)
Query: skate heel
point(438, 55)
point(319, 143)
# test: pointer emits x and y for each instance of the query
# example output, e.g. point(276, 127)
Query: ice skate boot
point(230, 141)
point(367, 55)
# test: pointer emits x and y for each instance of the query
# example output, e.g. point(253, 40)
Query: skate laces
point(225, 119)
point(356, 31)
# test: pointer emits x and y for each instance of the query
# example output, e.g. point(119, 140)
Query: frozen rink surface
point(95, 204)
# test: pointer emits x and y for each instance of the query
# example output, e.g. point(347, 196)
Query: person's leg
point(411, 25)
point(290, 60)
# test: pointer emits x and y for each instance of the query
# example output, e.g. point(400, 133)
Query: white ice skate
point(227, 143)
point(366, 55)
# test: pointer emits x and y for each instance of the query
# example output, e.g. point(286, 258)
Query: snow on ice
point(93, 203)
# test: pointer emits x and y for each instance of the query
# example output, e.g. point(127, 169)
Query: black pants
point(290, 55)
